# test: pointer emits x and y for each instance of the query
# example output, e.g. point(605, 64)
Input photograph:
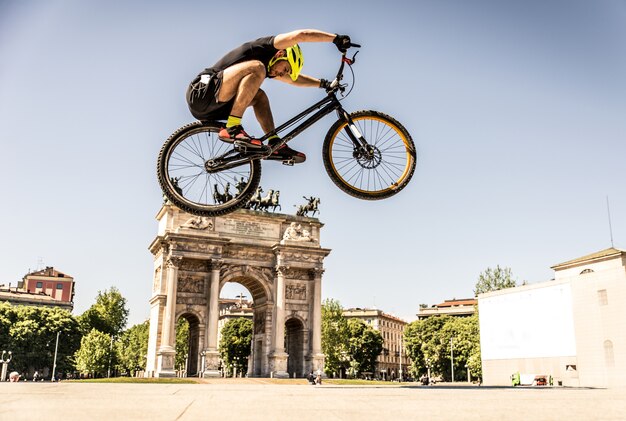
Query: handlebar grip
point(355, 45)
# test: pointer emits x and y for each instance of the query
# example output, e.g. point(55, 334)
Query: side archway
point(193, 344)
point(295, 347)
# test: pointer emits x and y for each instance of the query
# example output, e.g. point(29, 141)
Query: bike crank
point(232, 159)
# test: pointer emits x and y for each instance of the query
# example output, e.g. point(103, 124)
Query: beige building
point(571, 328)
point(393, 360)
point(457, 308)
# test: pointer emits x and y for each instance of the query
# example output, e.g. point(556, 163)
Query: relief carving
point(248, 255)
point(295, 273)
point(193, 284)
point(199, 223)
point(295, 291)
point(197, 248)
point(194, 265)
point(264, 274)
point(295, 232)
point(303, 257)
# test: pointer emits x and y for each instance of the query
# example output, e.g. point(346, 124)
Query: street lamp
point(428, 368)
point(452, 357)
point(5, 364)
point(54, 363)
point(400, 370)
point(110, 355)
point(468, 373)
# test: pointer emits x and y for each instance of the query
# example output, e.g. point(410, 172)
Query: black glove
point(342, 42)
point(325, 84)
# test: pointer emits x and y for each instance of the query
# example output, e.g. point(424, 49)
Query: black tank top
point(261, 49)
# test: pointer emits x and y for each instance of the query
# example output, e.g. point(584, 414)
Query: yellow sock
point(272, 137)
point(233, 121)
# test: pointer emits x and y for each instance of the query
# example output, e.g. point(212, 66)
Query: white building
point(572, 328)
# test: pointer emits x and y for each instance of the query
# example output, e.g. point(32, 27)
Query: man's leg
point(242, 82)
point(261, 105)
point(263, 113)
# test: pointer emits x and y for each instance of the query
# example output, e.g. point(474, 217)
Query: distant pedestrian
point(14, 376)
point(36, 376)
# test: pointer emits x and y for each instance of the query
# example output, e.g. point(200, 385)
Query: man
point(225, 90)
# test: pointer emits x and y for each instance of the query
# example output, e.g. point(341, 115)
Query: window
point(59, 286)
point(586, 271)
point(603, 299)
point(39, 284)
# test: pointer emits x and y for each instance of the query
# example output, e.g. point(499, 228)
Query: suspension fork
point(355, 135)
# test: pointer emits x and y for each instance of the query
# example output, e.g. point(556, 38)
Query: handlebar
point(334, 85)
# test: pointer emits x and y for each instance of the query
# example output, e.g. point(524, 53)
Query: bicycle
point(367, 154)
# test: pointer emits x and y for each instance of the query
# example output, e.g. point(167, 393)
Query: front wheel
point(385, 168)
point(185, 181)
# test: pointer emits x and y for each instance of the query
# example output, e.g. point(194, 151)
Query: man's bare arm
point(303, 81)
point(288, 39)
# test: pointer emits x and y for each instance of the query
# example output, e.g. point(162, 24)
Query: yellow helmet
point(295, 58)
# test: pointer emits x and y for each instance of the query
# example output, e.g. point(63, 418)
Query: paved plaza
point(256, 400)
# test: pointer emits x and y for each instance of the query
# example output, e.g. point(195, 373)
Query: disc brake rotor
point(369, 159)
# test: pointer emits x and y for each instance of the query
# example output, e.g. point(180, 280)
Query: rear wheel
point(183, 177)
point(381, 171)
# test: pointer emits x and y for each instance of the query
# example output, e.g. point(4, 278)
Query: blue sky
point(517, 109)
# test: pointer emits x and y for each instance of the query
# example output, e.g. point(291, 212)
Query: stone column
point(212, 357)
point(167, 350)
point(316, 326)
point(278, 361)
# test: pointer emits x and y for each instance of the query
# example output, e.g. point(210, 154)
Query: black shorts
point(202, 98)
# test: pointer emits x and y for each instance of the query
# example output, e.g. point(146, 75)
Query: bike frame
point(325, 106)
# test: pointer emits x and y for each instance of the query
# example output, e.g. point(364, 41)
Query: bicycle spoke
point(186, 166)
point(384, 165)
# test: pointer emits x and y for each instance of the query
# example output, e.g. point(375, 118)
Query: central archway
point(257, 283)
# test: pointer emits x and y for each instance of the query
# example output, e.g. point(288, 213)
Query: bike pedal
point(245, 148)
point(240, 146)
point(289, 162)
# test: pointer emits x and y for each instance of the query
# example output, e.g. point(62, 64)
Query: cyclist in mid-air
point(224, 90)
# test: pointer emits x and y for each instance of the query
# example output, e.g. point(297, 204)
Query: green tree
point(182, 342)
point(94, 356)
point(423, 344)
point(460, 338)
point(494, 280)
point(335, 336)
point(364, 345)
point(31, 332)
point(433, 341)
point(235, 343)
point(109, 314)
point(132, 348)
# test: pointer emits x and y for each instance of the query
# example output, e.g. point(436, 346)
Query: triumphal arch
point(277, 257)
